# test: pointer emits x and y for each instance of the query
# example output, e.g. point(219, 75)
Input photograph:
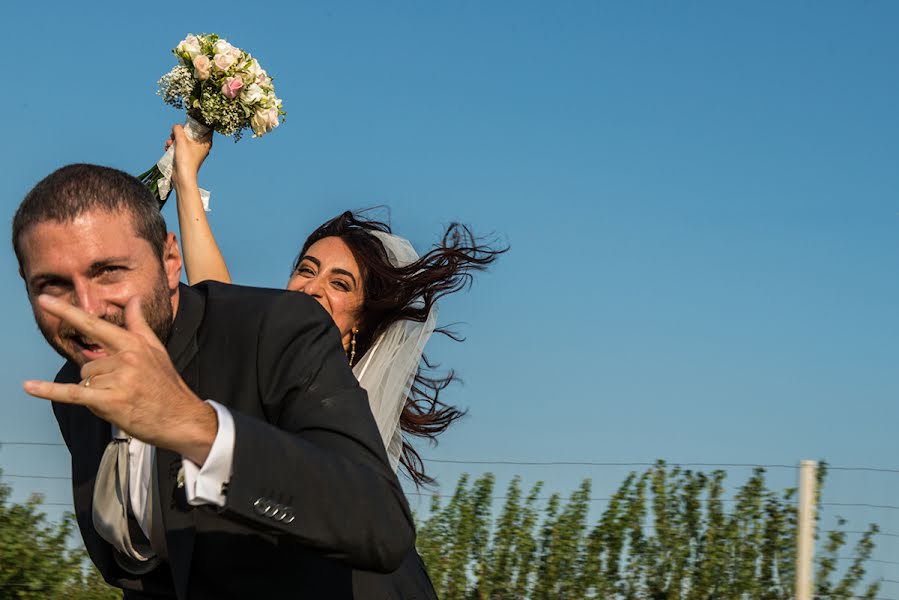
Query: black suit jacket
point(305, 439)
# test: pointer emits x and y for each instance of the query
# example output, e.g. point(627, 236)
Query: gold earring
point(352, 346)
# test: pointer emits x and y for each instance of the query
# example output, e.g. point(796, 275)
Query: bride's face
point(329, 273)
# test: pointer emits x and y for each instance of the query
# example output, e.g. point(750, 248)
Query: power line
point(863, 505)
point(34, 476)
point(840, 504)
point(583, 463)
point(729, 500)
point(871, 560)
point(31, 444)
point(879, 533)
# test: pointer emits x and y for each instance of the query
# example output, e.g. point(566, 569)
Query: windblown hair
point(391, 294)
point(75, 189)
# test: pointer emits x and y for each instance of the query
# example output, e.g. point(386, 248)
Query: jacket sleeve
point(316, 468)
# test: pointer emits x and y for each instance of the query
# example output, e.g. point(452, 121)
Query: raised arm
point(202, 258)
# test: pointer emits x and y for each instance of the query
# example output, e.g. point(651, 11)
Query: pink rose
point(232, 86)
point(202, 67)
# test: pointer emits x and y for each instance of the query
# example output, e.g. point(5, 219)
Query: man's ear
point(172, 262)
point(25, 282)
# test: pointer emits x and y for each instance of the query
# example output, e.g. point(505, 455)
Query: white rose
point(223, 62)
point(222, 47)
point(252, 94)
point(191, 46)
point(253, 68)
point(202, 67)
point(264, 120)
point(243, 71)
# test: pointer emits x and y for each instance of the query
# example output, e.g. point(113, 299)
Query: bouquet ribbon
point(195, 131)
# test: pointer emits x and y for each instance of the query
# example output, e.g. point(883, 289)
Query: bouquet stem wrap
point(159, 178)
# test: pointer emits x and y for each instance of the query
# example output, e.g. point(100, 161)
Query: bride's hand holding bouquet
point(189, 158)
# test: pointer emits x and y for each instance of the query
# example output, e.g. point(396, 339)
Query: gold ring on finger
point(87, 381)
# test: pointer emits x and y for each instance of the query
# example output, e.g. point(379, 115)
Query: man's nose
point(85, 298)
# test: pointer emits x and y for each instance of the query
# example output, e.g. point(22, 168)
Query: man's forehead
point(87, 237)
point(101, 223)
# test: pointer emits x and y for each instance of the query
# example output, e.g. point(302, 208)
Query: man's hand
point(135, 386)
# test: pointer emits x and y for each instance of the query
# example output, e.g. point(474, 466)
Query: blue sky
point(701, 200)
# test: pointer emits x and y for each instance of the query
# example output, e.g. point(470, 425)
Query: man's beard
point(157, 311)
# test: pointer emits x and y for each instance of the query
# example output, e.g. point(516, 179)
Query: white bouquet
point(223, 89)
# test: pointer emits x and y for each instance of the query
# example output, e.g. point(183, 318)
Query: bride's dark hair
point(394, 293)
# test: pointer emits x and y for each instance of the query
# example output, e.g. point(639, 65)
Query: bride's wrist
point(187, 190)
point(185, 183)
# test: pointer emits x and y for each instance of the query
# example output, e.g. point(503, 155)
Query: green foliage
point(666, 534)
point(35, 559)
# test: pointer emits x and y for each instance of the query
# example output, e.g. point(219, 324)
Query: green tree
point(36, 560)
point(665, 534)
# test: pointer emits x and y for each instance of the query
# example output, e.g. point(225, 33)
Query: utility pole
point(805, 539)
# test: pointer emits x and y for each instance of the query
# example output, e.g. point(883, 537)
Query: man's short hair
point(75, 189)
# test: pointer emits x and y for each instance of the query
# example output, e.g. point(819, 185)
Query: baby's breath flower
point(176, 85)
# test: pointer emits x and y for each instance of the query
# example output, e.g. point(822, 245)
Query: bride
point(382, 296)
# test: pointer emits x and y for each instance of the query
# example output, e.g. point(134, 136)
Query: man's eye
point(51, 287)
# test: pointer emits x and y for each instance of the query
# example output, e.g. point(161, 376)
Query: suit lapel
point(177, 515)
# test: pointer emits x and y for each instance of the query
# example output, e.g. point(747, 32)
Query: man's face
point(98, 262)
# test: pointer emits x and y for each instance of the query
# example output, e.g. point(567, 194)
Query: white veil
point(388, 369)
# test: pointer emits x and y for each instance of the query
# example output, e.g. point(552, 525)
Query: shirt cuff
point(207, 484)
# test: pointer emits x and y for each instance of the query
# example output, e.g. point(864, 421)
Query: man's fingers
point(136, 323)
point(68, 393)
point(108, 364)
point(111, 337)
point(98, 381)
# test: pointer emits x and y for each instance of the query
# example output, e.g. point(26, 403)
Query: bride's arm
point(202, 258)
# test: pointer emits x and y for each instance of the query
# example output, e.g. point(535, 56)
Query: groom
point(232, 451)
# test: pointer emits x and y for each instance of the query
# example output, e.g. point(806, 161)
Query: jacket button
point(261, 506)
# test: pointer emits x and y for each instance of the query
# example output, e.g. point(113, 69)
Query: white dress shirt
point(204, 485)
